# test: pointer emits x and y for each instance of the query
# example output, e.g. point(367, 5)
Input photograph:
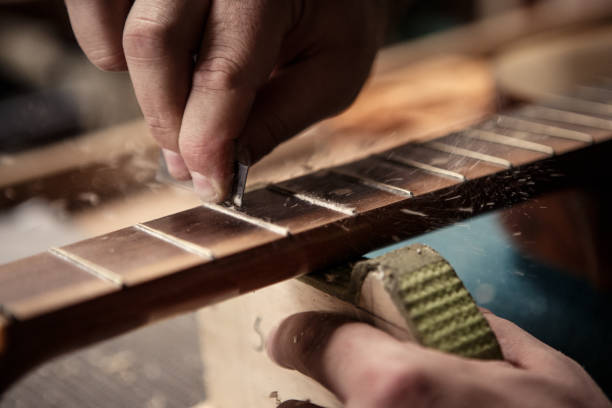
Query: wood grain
point(43, 283)
point(222, 234)
point(287, 211)
point(417, 181)
point(467, 167)
point(336, 189)
point(149, 257)
point(514, 155)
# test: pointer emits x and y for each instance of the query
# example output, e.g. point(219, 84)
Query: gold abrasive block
point(434, 303)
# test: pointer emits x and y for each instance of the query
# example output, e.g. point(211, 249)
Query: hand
point(265, 70)
point(367, 368)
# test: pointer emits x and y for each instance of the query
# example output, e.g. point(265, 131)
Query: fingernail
point(205, 187)
point(176, 165)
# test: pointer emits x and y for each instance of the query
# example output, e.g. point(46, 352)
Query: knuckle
point(403, 385)
point(163, 131)
point(145, 38)
point(219, 73)
point(107, 59)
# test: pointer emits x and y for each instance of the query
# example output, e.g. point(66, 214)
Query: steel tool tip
point(240, 178)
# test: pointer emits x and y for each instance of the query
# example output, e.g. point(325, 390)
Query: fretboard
point(77, 294)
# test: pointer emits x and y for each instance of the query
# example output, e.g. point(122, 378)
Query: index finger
point(239, 49)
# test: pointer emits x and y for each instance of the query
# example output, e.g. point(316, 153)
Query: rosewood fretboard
point(84, 292)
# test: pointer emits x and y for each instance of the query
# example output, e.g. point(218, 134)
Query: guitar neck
point(74, 295)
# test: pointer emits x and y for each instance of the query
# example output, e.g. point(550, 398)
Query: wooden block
point(43, 283)
point(134, 255)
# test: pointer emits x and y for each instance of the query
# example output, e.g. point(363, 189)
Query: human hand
point(264, 71)
point(367, 368)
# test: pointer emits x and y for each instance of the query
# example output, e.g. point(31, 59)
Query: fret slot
point(332, 190)
point(230, 211)
point(493, 137)
point(510, 122)
point(287, 211)
point(317, 201)
point(407, 178)
point(42, 283)
point(514, 155)
point(134, 255)
point(558, 145)
point(221, 233)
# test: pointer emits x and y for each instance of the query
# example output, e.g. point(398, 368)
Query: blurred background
point(76, 161)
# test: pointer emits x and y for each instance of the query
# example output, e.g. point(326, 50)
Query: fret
point(149, 257)
point(556, 144)
point(287, 211)
point(408, 178)
point(43, 283)
point(232, 212)
point(334, 189)
point(594, 92)
point(576, 104)
point(498, 138)
point(465, 167)
point(469, 153)
point(564, 116)
point(596, 134)
point(516, 156)
point(97, 271)
point(355, 177)
point(221, 234)
point(430, 168)
point(184, 245)
point(514, 123)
